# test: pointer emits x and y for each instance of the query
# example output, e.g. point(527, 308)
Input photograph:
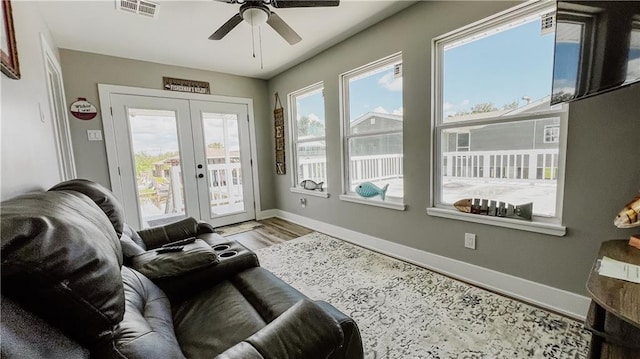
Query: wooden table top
point(621, 298)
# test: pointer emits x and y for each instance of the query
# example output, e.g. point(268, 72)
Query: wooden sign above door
point(182, 85)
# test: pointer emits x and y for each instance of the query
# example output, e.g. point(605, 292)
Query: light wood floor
point(273, 231)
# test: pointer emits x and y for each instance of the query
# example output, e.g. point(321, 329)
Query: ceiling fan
point(257, 12)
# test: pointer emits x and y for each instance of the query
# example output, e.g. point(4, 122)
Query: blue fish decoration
point(368, 189)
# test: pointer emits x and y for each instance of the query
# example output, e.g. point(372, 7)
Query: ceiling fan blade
point(303, 3)
point(228, 26)
point(283, 29)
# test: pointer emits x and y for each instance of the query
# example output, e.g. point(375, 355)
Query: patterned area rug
point(405, 311)
point(238, 228)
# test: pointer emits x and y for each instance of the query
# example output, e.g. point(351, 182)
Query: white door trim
point(105, 91)
point(59, 118)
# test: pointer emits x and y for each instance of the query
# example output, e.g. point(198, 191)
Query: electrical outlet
point(470, 240)
point(303, 202)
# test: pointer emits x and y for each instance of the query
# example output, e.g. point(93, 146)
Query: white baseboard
point(558, 300)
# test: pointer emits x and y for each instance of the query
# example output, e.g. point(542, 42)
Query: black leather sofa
point(70, 289)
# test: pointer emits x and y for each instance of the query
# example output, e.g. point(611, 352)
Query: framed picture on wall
point(8, 48)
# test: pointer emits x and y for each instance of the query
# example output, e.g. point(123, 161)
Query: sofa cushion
point(98, 194)
point(246, 303)
point(147, 328)
point(133, 234)
point(25, 335)
point(193, 256)
point(129, 248)
point(214, 320)
point(61, 259)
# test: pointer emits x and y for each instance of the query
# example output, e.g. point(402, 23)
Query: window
point(372, 120)
point(492, 84)
point(551, 133)
point(306, 108)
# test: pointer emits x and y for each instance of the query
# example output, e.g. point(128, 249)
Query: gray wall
point(602, 171)
point(84, 71)
point(29, 160)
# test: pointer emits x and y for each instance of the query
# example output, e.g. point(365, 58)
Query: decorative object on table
point(495, 209)
point(368, 189)
point(83, 109)
point(629, 216)
point(182, 85)
point(8, 48)
point(278, 115)
point(311, 185)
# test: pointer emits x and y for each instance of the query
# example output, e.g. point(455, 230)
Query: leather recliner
point(67, 294)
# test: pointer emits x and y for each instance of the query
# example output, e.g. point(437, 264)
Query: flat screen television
point(597, 48)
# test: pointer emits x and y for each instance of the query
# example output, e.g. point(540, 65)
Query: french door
point(181, 157)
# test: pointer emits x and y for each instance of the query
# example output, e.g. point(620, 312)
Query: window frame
point(390, 202)
point(294, 141)
point(551, 134)
point(540, 224)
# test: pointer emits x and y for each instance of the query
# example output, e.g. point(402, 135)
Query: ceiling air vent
point(140, 7)
point(397, 70)
point(547, 23)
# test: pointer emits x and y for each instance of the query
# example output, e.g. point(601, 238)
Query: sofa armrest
point(183, 286)
point(304, 331)
point(189, 227)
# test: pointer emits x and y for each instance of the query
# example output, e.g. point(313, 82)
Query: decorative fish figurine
point(629, 216)
point(311, 185)
point(368, 189)
point(493, 208)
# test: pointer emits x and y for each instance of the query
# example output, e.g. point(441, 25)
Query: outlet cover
point(470, 240)
point(94, 135)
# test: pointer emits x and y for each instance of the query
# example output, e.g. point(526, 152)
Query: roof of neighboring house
point(537, 105)
point(368, 115)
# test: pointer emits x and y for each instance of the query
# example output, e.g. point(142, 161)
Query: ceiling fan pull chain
point(260, 43)
point(253, 41)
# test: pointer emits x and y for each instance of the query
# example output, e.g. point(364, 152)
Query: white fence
point(225, 186)
point(362, 168)
point(225, 183)
point(512, 164)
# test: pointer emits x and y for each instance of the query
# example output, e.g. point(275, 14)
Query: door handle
point(200, 175)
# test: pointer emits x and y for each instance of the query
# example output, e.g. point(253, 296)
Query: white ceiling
point(179, 35)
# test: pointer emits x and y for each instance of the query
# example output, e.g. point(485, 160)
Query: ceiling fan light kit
point(256, 12)
point(255, 16)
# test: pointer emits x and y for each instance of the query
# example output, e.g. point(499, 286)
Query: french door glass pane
point(377, 159)
point(509, 162)
point(156, 154)
point(224, 169)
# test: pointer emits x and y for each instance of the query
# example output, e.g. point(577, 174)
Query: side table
point(614, 314)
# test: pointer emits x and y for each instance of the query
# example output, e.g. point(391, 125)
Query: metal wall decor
point(182, 85)
point(278, 115)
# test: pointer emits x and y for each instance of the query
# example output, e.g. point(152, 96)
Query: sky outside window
point(499, 69)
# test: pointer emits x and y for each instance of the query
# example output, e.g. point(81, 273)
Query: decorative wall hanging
point(182, 85)
point(278, 115)
point(8, 48)
point(83, 109)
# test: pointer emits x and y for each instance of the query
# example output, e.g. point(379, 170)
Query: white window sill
point(322, 194)
point(398, 206)
point(538, 227)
